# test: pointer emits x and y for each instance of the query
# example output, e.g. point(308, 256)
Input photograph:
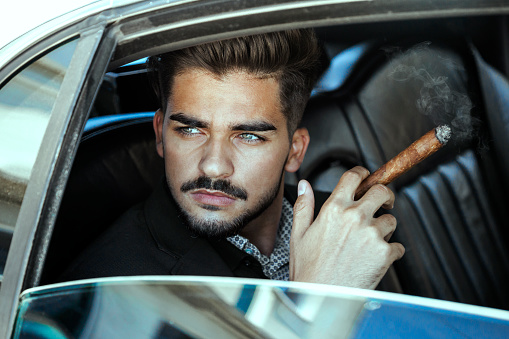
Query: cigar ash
point(443, 134)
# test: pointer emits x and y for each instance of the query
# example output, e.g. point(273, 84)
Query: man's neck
point(262, 231)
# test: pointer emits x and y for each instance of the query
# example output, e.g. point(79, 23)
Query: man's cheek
point(260, 175)
point(180, 163)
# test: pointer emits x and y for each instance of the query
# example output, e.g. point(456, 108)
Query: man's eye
point(188, 130)
point(249, 137)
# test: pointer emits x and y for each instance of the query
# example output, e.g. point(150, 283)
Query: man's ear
point(158, 123)
point(300, 142)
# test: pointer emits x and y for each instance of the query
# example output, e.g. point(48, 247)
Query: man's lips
point(213, 198)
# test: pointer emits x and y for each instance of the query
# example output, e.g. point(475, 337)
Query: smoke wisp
point(438, 98)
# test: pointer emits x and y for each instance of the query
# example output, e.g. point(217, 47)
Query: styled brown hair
point(291, 57)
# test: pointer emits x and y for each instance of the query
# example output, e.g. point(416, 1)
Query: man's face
point(225, 144)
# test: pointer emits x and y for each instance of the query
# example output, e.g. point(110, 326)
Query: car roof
point(18, 18)
point(31, 14)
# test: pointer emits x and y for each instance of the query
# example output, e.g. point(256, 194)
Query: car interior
point(451, 208)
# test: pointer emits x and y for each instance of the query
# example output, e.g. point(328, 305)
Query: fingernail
point(302, 188)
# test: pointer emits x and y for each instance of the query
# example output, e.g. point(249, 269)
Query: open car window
point(358, 115)
point(26, 103)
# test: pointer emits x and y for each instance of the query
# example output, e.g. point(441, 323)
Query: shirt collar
point(280, 256)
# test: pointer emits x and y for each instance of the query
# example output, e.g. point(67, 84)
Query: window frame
point(49, 175)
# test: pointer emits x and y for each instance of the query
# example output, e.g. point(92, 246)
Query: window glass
point(162, 307)
point(26, 102)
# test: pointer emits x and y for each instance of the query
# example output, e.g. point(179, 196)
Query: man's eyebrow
point(188, 120)
point(256, 126)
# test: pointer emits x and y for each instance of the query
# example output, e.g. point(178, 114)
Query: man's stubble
point(218, 229)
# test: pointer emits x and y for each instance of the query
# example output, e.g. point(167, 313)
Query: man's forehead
point(235, 99)
point(199, 76)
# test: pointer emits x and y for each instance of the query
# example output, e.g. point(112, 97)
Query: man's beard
point(218, 229)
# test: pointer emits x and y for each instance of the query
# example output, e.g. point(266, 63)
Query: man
point(228, 130)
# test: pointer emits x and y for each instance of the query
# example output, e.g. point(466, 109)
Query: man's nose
point(216, 161)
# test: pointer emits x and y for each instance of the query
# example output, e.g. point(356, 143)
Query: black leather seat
point(116, 166)
point(449, 211)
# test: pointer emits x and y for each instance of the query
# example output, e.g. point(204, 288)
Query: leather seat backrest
point(116, 166)
point(454, 237)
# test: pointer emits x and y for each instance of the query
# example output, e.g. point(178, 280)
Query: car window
point(26, 103)
point(206, 307)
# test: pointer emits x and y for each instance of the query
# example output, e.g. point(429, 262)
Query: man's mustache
point(221, 185)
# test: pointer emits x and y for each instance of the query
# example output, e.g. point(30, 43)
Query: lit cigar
point(419, 150)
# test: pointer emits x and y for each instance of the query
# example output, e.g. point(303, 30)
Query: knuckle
point(390, 220)
point(352, 175)
point(385, 249)
point(380, 189)
point(333, 206)
point(362, 171)
point(373, 234)
point(402, 250)
point(353, 215)
point(393, 221)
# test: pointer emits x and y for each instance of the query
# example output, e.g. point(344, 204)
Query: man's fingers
point(387, 225)
point(303, 209)
point(376, 197)
point(349, 182)
point(398, 251)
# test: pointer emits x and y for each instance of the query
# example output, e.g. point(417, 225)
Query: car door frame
point(50, 171)
point(116, 36)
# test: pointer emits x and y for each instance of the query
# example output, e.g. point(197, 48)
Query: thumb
point(303, 209)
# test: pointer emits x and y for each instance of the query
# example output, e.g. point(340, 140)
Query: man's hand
point(345, 245)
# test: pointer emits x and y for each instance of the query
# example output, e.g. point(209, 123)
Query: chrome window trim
point(38, 185)
point(65, 159)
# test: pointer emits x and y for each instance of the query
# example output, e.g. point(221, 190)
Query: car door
point(39, 89)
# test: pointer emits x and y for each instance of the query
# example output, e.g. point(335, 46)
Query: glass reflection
point(26, 102)
point(206, 307)
point(158, 309)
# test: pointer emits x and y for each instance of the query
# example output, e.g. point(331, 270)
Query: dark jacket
point(150, 239)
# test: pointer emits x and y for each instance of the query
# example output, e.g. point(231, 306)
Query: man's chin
point(213, 229)
point(216, 222)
